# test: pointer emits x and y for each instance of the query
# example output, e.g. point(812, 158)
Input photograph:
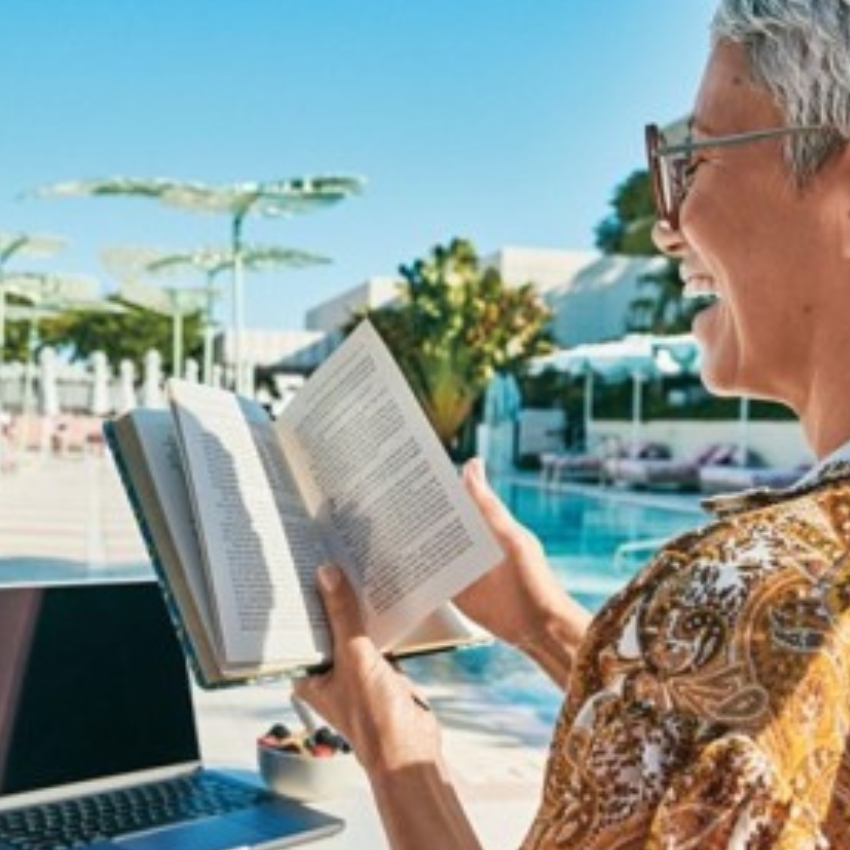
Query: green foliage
point(456, 326)
point(628, 229)
point(660, 308)
point(78, 334)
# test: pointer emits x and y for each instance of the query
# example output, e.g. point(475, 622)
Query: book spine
point(112, 441)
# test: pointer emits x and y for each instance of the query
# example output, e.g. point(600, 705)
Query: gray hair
point(799, 50)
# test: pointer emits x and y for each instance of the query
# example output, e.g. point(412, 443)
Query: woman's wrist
point(383, 772)
point(388, 758)
point(554, 639)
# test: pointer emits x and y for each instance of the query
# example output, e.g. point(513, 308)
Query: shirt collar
point(834, 466)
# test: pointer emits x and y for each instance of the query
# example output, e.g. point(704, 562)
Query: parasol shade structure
point(28, 245)
point(105, 187)
point(174, 302)
point(129, 262)
point(275, 199)
point(41, 287)
point(48, 295)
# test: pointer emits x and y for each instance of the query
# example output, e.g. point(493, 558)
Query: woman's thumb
point(340, 603)
point(498, 517)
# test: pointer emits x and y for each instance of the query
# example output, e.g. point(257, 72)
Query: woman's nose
point(668, 240)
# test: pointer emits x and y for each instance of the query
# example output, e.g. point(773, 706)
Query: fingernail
point(329, 577)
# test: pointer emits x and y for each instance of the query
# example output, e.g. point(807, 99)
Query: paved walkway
point(68, 517)
point(67, 512)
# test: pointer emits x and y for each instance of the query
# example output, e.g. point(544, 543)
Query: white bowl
point(306, 777)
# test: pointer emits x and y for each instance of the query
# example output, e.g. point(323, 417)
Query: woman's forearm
point(421, 810)
point(553, 644)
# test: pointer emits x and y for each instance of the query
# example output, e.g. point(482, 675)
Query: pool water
point(595, 543)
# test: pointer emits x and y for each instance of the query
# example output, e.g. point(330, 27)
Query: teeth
point(699, 286)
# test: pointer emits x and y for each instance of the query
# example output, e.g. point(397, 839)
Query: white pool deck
point(68, 516)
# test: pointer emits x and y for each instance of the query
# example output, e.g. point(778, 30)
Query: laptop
point(98, 745)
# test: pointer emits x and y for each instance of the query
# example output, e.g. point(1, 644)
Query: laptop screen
point(92, 684)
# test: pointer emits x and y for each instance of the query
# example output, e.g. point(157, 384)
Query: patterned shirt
point(709, 706)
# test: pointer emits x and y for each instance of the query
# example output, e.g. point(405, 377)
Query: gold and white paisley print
point(709, 706)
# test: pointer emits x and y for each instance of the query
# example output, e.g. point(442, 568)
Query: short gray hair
point(799, 50)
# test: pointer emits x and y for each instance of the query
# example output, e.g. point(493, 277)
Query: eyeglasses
point(672, 167)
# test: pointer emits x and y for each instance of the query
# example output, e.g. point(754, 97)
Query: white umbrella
point(677, 354)
point(631, 357)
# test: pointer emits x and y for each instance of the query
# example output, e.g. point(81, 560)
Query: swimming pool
point(595, 543)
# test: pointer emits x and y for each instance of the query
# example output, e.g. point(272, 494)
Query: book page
point(162, 487)
point(260, 606)
point(372, 470)
point(442, 628)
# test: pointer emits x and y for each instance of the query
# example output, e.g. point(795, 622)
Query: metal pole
point(176, 333)
point(238, 305)
point(743, 430)
point(209, 328)
point(178, 343)
point(588, 406)
point(637, 407)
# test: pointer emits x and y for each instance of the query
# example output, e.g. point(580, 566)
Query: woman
point(708, 704)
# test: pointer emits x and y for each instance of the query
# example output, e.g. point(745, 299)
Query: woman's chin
point(717, 357)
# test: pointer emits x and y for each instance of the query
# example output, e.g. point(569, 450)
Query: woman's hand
point(374, 706)
point(520, 600)
point(391, 729)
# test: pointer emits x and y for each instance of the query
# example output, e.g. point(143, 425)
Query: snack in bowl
point(306, 765)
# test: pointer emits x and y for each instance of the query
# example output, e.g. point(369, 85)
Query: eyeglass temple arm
point(736, 139)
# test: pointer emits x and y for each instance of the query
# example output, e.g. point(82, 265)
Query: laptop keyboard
point(98, 817)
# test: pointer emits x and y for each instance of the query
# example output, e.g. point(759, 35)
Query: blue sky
point(508, 122)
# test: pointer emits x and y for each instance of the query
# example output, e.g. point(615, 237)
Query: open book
point(239, 511)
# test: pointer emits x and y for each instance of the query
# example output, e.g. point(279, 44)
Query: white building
point(300, 349)
point(546, 268)
point(331, 315)
point(588, 293)
point(592, 304)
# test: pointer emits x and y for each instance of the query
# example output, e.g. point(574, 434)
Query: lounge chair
point(642, 452)
point(579, 465)
point(717, 478)
point(672, 473)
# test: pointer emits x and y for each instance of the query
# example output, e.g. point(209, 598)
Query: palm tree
point(455, 326)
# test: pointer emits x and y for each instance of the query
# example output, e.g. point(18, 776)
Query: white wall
point(332, 314)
